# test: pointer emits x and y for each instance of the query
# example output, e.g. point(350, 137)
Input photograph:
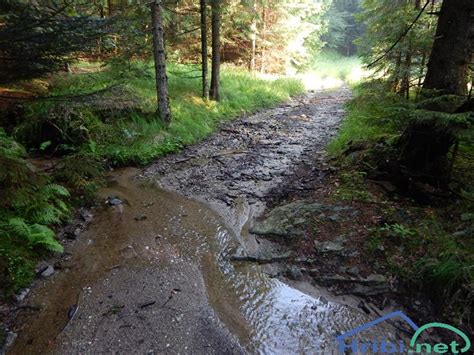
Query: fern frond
point(53, 190)
point(18, 227)
point(44, 237)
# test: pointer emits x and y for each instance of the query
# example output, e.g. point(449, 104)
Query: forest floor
point(233, 245)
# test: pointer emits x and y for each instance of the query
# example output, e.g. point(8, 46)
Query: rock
point(334, 218)
point(373, 280)
point(292, 219)
point(7, 338)
point(140, 217)
point(113, 201)
point(21, 296)
point(329, 246)
point(263, 257)
point(73, 234)
point(305, 260)
point(376, 279)
point(366, 290)
point(44, 270)
point(86, 215)
point(293, 273)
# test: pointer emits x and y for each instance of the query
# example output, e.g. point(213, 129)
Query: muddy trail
point(177, 261)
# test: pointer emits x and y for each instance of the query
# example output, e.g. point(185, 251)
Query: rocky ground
point(268, 179)
point(273, 166)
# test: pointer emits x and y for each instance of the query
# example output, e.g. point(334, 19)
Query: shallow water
point(266, 315)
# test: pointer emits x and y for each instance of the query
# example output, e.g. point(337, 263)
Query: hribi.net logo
point(460, 343)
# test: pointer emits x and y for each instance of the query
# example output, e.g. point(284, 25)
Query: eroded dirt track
point(251, 155)
point(159, 272)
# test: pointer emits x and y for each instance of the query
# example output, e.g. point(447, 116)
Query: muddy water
point(153, 275)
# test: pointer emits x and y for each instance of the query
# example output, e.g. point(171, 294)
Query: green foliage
point(375, 112)
point(352, 187)
point(134, 135)
point(333, 66)
point(81, 172)
point(448, 271)
point(29, 203)
point(431, 247)
point(386, 22)
point(342, 27)
point(36, 40)
point(397, 230)
point(35, 235)
point(119, 127)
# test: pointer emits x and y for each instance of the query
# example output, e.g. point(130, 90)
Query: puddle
point(154, 273)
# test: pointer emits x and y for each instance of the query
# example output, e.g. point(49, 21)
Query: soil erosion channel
point(159, 270)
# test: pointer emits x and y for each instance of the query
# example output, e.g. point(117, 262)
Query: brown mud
point(173, 264)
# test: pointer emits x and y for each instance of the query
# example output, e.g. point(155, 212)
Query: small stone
point(294, 273)
point(47, 272)
point(113, 201)
point(329, 246)
point(141, 217)
point(73, 235)
point(86, 215)
point(21, 296)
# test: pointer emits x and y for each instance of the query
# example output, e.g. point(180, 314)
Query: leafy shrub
point(81, 172)
point(29, 202)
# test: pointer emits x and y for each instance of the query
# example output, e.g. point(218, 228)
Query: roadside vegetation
point(408, 133)
point(91, 125)
point(425, 231)
point(90, 85)
point(87, 86)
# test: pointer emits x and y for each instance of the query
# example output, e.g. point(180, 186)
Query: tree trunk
point(110, 9)
point(424, 148)
point(452, 48)
point(264, 31)
point(163, 111)
point(405, 86)
point(395, 84)
point(254, 37)
point(216, 46)
point(425, 144)
point(205, 84)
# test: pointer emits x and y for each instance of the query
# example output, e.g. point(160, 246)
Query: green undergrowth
point(120, 125)
point(430, 246)
point(29, 203)
point(372, 114)
point(93, 118)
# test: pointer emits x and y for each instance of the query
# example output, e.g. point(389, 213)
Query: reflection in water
point(267, 315)
point(281, 318)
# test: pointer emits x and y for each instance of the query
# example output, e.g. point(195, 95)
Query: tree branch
point(401, 37)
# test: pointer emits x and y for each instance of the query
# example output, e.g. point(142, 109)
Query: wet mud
point(167, 267)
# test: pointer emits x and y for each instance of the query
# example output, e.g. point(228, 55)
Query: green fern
point(29, 204)
point(35, 235)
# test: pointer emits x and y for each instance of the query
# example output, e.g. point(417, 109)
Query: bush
point(29, 203)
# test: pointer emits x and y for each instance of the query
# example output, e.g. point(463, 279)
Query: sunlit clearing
point(331, 70)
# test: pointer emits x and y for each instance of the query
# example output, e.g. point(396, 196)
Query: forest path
point(155, 271)
point(251, 155)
